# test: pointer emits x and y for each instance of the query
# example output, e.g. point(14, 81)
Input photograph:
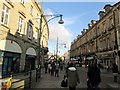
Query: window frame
point(30, 30)
point(31, 10)
point(111, 22)
point(20, 24)
point(5, 11)
point(37, 16)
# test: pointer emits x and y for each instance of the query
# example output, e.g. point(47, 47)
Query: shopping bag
point(88, 84)
point(64, 83)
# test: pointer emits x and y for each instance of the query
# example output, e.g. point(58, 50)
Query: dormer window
point(23, 2)
point(107, 8)
point(101, 14)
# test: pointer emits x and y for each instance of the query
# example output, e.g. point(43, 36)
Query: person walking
point(57, 69)
point(49, 67)
point(115, 71)
point(72, 76)
point(53, 68)
point(46, 66)
point(61, 65)
point(93, 76)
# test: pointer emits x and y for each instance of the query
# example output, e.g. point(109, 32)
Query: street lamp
point(57, 47)
point(40, 33)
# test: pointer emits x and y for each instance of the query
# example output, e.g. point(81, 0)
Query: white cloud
point(73, 19)
point(64, 37)
point(63, 34)
point(59, 31)
point(48, 11)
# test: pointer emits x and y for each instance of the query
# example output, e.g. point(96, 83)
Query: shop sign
point(89, 58)
point(6, 83)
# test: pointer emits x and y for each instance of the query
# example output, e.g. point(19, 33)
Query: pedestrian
point(53, 68)
point(93, 76)
point(49, 68)
point(88, 76)
point(46, 66)
point(72, 76)
point(115, 71)
point(61, 65)
point(57, 69)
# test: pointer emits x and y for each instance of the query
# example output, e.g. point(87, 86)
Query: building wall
point(10, 32)
point(101, 39)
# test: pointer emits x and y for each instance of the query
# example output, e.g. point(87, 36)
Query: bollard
point(36, 74)
point(30, 79)
point(39, 72)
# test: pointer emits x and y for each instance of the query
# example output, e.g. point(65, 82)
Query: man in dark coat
point(115, 72)
point(46, 66)
point(93, 75)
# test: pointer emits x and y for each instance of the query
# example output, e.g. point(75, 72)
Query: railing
point(27, 81)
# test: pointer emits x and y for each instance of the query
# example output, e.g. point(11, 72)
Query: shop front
point(10, 57)
point(106, 58)
point(30, 62)
point(10, 53)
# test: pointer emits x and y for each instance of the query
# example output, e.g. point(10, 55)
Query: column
point(22, 58)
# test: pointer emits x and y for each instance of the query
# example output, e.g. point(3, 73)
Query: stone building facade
point(101, 40)
point(19, 27)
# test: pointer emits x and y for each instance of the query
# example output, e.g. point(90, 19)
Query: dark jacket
point(115, 68)
point(93, 75)
point(72, 77)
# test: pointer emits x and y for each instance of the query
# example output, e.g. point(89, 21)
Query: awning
point(89, 58)
point(31, 51)
point(104, 53)
point(10, 45)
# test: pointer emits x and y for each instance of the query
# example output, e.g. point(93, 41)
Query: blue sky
point(76, 16)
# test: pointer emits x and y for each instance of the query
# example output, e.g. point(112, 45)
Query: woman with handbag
point(64, 82)
point(72, 76)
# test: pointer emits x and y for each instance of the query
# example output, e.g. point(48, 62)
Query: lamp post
point(40, 34)
point(57, 47)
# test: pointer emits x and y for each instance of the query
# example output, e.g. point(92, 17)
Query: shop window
point(10, 63)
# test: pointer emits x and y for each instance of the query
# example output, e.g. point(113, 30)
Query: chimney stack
point(89, 26)
point(93, 22)
point(101, 14)
point(107, 8)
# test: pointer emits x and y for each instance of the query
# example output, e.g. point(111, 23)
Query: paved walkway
point(51, 82)
point(48, 81)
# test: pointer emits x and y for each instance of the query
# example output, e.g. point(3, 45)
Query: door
point(7, 66)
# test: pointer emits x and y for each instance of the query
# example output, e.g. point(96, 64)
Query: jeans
point(96, 87)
